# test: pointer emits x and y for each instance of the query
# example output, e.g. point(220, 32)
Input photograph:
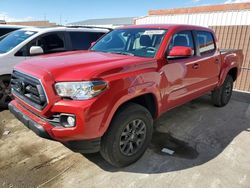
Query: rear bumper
point(41, 128)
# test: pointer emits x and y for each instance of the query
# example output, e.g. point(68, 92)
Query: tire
point(5, 92)
point(222, 95)
point(132, 125)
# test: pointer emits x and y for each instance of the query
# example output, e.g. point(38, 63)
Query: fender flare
point(122, 100)
point(225, 72)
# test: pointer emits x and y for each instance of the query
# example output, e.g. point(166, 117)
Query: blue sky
point(77, 10)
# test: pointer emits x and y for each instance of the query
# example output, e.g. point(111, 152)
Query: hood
point(81, 65)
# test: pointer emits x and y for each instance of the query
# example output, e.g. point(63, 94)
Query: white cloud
point(7, 18)
point(236, 1)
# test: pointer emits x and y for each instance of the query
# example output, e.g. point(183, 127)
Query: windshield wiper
point(124, 53)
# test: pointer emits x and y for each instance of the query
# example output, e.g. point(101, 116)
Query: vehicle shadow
point(197, 132)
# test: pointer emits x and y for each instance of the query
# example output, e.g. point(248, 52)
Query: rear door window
point(83, 40)
point(205, 41)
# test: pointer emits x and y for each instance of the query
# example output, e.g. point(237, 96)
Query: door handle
point(195, 66)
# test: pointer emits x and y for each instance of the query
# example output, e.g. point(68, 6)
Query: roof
point(50, 29)
point(106, 21)
point(200, 9)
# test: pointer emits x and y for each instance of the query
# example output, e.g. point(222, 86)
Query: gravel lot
point(211, 150)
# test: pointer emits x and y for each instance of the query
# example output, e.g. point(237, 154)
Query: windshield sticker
point(29, 33)
point(154, 32)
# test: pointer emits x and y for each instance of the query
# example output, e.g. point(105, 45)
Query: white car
point(27, 42)
point(4, 29)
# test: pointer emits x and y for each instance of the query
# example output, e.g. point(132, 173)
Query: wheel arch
point(233, 72)
point(147, 100)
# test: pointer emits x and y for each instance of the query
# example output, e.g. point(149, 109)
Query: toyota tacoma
point(106, 99)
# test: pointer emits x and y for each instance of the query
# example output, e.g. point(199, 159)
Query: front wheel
point(222, 95)
point(128, 136)
point(5, 94)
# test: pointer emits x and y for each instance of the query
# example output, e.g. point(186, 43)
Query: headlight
point(80, 90)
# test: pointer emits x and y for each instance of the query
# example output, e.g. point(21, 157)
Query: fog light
point(67, 120)
point(71, 121)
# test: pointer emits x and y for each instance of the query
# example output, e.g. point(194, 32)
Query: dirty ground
point(211, 148)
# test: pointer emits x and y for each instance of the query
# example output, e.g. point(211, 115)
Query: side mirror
point(36, 50)
point(180, 51)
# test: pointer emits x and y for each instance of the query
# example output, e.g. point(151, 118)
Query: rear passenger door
point(83, 40)
point(209, 62)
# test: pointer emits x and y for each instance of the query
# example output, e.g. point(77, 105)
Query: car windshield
point(134, 42)
point(10, 41)
point(2, 37)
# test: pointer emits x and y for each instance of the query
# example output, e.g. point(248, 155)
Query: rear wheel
point(222, 95)
point(5, 94)
point(128, 135)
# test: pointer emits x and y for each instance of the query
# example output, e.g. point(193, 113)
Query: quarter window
point(205, 42)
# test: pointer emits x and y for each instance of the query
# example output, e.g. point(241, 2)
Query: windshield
point(2, 37)
point(10, 41)
point(135, 42)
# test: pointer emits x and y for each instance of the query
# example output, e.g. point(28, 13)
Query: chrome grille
point(29, 89)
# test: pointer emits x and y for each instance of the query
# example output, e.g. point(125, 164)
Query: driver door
point(181, 74)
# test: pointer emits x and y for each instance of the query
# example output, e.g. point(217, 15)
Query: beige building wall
point(34, 23)
point(237, 37)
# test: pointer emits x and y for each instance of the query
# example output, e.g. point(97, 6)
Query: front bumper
point(29, 123)
point(45, 130)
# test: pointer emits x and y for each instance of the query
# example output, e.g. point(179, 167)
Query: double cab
point(106, 99)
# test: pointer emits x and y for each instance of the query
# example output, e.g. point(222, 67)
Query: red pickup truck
point(106, 99)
